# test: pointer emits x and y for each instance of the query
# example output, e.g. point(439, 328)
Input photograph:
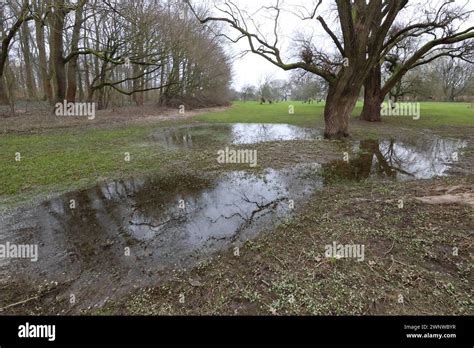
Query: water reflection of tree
point(113, 210)
point(88, 242)
point(389, 161)
point(422, 158)
point(370, 159)
point(190, 136)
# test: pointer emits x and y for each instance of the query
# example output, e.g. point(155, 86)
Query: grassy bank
point(70, 159)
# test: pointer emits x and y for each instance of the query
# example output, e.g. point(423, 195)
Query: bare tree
point(25, 37)
point(40, 10)
point(264, 89)
point(56, 46)
point(456, 76)
point(247, 93)
point(307, 87)
point(414, 43)
point(73, 60)
point(363, 26)
point(8, 33)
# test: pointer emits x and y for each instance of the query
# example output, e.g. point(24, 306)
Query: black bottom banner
point(320, 331)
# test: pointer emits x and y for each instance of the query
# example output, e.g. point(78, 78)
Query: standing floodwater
point(123, 233)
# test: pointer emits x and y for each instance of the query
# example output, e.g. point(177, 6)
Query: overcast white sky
point(251, 68)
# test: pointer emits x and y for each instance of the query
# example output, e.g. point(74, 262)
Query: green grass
point(252, 112)
point(433, 114)
point(437, 114)
point(73, 157)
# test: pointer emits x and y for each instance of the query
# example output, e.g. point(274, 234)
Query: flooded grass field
point(104, 242)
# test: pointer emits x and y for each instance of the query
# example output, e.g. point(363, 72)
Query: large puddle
point(122, 234)
point(235, 134)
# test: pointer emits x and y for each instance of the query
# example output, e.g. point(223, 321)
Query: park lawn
point(438, 114)
point(433, 114)
point(253, 112)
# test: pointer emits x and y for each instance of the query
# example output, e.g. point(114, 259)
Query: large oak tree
point(360, 39)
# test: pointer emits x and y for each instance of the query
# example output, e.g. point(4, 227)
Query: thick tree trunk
point(101, 100)
point(25, 36)
point(80, 85)
point(4, 100)
point(72, 65)
point(71, 80)
point(5, 45)
point(373, 97)
point(57, 50)
point(42, 57)
point(43, 62)
point(3, 88)
point(3, 96)
point(339, 105)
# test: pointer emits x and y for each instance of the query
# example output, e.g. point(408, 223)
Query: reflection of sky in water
point(429, 158)
point(88, 243)
point(143, 214)
point(257, 133)
point(425, 158)
point(217, 216)
point(237, 134)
